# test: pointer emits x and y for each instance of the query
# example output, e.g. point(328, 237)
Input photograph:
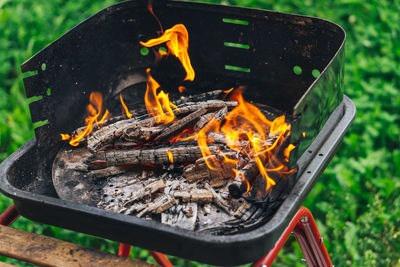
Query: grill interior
point(273, 55)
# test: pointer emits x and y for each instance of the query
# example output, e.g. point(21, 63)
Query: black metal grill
point(103, 54)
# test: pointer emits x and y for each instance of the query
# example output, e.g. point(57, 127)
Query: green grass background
point(356, 202)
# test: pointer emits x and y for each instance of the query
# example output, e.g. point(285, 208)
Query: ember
point(194, 164)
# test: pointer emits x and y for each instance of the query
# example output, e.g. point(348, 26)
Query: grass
point(357, 200)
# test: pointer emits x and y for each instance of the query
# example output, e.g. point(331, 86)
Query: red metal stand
point(302, 225)
point(124, 250)
point(307, 235)
point(161, 259)
point(9, 216)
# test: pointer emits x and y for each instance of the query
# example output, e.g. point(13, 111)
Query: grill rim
point(259, 240)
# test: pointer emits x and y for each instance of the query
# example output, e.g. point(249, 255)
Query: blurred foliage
point(357, 200)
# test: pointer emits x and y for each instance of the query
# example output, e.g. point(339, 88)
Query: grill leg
point(307, 235)
point(9, 216)
point(160, 258)
point(124, 250)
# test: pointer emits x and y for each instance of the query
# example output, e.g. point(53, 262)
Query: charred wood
point(181, 124)
point(151, 156)
point(159, 205)
point(216, 94)
point(141, 133)
point(145, 191)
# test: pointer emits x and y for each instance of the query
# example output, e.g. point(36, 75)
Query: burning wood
point(149, 156)
point(181, 124)
point(115, 130)
point(183, 163)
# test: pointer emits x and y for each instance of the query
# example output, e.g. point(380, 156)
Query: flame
point(65, 136)
point(158, 105)
point(286, 152)
point(125, 108)
point(181, 89)
point(180, 137)
point(177, 40)
point(150, 9)
point(94, 109)
point(247, 131)
point(105, 116)
point(228, 91)
point(202, 142)
point(170, 157)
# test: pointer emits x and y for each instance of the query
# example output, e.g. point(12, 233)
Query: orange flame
point(94, 109)
point(177, 40)
point(170, 157)
point(202, 142)
point(287, 151)
point(181, 89)
point(246, 131)
point(228, 91)
point(158, 105)
point(179, 137)
point(65, 136)
point(150, 8)
point(125, 108)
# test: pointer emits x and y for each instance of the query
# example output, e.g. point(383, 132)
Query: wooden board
point(47, 251)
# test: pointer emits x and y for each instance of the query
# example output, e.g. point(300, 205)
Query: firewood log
point(145, 191)
point(181, 124)
point(150, 156)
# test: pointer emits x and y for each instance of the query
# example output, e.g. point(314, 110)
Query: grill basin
point(103, 54)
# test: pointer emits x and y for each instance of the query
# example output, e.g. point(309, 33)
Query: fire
point(181, 89)
point(158, 105)
point(65, 136)
point(247, 131)
point(228, 91)
point(170, 157)
point(287, 151)
point(95, 110)
point(177, 40)
point(180, 137)
point(125, 108)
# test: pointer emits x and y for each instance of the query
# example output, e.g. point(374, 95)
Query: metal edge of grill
point(224, 250)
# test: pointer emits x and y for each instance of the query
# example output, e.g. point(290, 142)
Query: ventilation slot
point(40, 123)
point(235, 21)
point(236, 68)
point(236, 45)
point(34, 98)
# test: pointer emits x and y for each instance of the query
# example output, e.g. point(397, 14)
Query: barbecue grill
point(292, 63)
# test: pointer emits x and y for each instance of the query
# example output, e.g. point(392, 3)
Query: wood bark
point(216, 94)
point(158, 205)
point(145, 191)
point(142, 133)
point(181, 124)
point(200, 170)
point(151, 156)
point(113, 131)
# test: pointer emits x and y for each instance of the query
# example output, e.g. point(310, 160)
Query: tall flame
point(177, 40)
point(158, 105)
point(94, 109)
point(125, 108)
point(247, 131)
